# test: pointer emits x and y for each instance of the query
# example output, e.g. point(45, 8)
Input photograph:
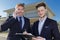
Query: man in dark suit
point(17, 24)
point(44, 28)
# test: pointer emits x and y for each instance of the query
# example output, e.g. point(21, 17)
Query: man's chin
point(41, 16)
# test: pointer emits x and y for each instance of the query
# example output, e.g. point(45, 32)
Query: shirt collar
point(43, 19)
point(19, 16)
point(22, 18)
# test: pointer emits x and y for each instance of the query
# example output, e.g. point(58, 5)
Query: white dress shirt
point(40, 25)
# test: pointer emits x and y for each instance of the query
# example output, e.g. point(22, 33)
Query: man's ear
point(46, 10)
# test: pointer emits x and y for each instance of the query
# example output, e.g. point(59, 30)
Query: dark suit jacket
point(49, 30)
point(13, 25)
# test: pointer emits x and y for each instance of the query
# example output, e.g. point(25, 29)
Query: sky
point(54, 5)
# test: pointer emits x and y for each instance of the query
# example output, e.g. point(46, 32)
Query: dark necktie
point(20, 22)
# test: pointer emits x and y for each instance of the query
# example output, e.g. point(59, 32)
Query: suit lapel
point(24, 23)
point(36, 28)
point(44, 26)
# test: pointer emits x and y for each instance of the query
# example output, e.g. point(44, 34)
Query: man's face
point(19, 10)
point(41, 11)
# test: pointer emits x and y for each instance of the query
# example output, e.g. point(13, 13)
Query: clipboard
point(24, 35)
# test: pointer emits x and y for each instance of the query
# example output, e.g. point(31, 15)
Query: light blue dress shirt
point(22, 18)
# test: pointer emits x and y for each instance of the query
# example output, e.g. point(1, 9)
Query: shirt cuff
point(44, 38)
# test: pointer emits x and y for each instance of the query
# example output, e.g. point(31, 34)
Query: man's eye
point(42, 10)
point(38, 11)
point(18, 9)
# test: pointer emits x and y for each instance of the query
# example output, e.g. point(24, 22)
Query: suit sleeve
point(55, 31)
point(6, 24)
point(33, 29)
point(29, 28)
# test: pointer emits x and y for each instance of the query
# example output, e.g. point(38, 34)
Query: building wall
point(59, 26)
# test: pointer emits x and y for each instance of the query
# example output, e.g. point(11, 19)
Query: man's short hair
point(21, 4)
point(41, 4)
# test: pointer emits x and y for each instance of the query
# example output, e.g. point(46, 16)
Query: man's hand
point(14, 14)
point(38, 38)
point(33, 38)
point(25, 32)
